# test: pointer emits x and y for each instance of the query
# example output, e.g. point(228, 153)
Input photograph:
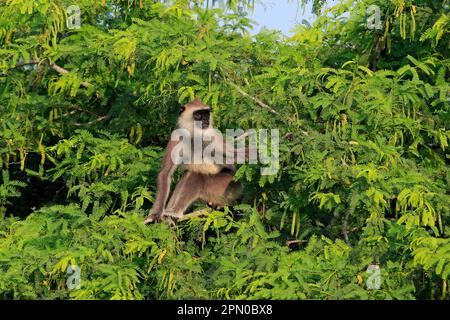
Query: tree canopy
point(363, 113)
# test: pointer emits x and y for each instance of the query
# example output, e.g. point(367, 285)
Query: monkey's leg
point(220, 189)
point(186, 192)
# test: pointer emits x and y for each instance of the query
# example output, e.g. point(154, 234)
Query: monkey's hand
point(168, 216)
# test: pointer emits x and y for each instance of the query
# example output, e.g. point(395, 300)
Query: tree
point(363, 179)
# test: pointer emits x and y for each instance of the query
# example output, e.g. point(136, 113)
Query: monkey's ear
point(182, 109)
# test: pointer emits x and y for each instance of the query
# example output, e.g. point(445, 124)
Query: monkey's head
point(195, 112)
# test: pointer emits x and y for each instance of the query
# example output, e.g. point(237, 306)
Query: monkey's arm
point(163, 184)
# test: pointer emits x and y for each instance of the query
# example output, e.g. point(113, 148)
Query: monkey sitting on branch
point(201, 151)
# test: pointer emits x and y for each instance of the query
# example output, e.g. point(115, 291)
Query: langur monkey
point(208, 181)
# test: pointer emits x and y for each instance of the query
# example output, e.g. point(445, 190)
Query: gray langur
point(207, 180)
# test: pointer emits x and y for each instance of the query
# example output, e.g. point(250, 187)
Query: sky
point(281, 15)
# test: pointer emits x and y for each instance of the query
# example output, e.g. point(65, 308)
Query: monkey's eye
point(197, 116)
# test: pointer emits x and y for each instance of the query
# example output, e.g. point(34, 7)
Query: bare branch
point(77, 124)
point(345, 229)
point(195, 214)
point(291, 242)
point(54, 66)
point(256, 100)
point(61, 70)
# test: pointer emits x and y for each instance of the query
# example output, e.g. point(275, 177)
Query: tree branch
point(54, 66)
point(256, 100)
point(296, 241)
point(195, 214)
point(61, 70)
point(345, 228)
point(77, 124)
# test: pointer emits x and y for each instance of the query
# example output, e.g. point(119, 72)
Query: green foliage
point(363, 116)
point(8, 189)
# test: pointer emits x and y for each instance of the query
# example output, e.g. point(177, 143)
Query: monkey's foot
point(170, 221)
point(171, 217)
point(213, 206)
point(155, 217)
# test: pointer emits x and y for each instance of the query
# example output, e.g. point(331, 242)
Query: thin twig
point(289, 242)
point(61, 70)
point(243, 136)
point(255, 99)
point(54, 66)
point(345, 229)
point(40, 73)
point(77, 124)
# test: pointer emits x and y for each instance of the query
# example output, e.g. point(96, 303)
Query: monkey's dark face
point(202, 116)
point(196, 114)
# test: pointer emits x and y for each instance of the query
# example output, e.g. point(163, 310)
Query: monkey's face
point(202, 116)
point(195, 113)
